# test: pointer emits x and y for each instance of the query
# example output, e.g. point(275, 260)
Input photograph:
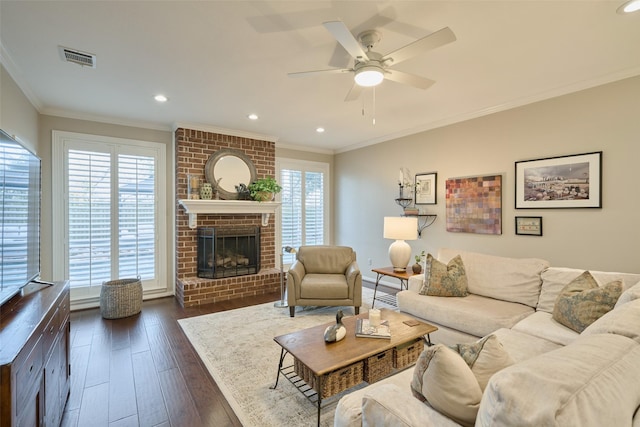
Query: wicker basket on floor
point(121, 298)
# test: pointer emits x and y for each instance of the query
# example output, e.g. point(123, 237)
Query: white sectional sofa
point(559, 376)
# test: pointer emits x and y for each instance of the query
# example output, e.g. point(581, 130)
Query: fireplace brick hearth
point(193, 148)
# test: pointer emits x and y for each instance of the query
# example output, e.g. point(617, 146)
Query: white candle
point(401, 178)
point(374, 317)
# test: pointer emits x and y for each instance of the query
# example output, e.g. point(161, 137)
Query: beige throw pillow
point(443, 379)
point(444, 280)
point(452, 379)
point(582, 301)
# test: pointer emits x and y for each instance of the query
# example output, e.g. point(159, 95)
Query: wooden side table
point(403, 276)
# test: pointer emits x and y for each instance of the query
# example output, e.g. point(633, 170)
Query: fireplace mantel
point(194, 207)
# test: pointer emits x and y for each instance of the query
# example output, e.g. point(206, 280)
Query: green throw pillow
point(582, 301)
point(444, 280)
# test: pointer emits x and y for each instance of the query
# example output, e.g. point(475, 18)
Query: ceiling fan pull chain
point(374, 106)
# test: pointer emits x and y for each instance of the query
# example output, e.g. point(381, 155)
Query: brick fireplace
point(193, 148)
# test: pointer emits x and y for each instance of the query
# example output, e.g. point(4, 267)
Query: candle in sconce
point(401, 178)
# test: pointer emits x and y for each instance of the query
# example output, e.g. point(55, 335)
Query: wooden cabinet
point(34, 357)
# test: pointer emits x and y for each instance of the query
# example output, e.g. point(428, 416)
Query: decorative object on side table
point(335, 332)
point(417, 267)
point(264, 189)
point(400, 229)
point(283, 303)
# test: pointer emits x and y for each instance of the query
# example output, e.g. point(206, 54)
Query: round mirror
point(227, 168)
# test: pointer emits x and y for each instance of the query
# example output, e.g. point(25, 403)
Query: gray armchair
point(324, 276)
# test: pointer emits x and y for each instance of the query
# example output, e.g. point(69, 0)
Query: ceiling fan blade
point(354, 92)
point(314, 72)
point(408, 79)
point(432, 41)
point(346, 39)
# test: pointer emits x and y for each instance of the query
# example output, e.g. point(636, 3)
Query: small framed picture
point(426, 188)
point(529, 225)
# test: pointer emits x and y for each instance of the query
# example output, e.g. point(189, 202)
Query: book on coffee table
point(365, 330)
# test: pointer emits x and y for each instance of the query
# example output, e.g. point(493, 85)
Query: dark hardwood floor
point(142, 370)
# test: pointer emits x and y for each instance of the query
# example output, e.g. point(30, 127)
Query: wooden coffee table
point(322, 363)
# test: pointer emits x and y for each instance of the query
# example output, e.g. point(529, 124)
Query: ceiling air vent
point(78, 57)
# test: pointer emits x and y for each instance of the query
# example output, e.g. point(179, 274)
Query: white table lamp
point(400, 229)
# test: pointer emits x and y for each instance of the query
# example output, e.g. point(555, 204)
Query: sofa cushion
point(444, 280)
point(442, 378)
point(508, 279)
point(623, 320)
point(556, 278)
point(582, 301)
point(592, 382)
point(324, 286)
point(473, 314)
point(631, 294)
point(541, 324)
point(388, 405)
point(522, 346)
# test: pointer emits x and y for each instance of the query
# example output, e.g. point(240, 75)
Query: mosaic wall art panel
point(474, 204)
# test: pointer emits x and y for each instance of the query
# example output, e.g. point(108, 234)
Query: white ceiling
point(218, 61)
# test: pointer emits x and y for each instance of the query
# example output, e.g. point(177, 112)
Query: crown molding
point(16, 75)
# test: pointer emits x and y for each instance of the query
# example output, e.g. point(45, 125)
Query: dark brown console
point(34, 357)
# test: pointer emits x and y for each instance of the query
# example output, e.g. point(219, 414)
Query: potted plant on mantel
point(264, 189)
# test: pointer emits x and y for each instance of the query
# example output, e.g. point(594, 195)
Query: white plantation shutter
point(304, 197)
point(89, 218)
point(114, 212)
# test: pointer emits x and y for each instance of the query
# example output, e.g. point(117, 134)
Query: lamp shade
point(400, 228)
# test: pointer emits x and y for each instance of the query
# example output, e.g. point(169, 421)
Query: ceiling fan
point(371, 68)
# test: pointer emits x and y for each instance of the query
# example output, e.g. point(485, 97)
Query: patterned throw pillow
point(582, 301)
point(452, 379)
point(444, 280)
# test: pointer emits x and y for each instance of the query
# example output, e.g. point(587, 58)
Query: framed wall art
point(529, 225)
point(426, 190)
point(474, 204)
point(560, 182)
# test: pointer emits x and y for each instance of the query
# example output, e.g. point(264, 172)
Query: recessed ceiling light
point(161, 98)
point(252, 117)
point(320, 129)
point(629, 7)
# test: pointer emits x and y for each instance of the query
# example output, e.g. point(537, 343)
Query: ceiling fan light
point(369, 76)
point(629, 7)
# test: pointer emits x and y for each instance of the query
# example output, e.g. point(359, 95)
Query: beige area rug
point(237, 348)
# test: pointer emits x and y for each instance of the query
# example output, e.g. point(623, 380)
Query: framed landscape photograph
point(573, 181)
point(426, 188)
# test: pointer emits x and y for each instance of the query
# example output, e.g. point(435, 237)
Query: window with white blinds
point(305, 204)
point(114, 194)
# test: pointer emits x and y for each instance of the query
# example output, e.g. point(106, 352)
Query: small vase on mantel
point(206, 191)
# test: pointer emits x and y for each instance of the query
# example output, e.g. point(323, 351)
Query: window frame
point(305, 166)
point(89, 296)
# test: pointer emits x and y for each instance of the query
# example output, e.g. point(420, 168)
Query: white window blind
point(304, 200)
point(113, 212)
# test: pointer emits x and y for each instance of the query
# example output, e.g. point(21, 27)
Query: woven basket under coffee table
point(121, 298)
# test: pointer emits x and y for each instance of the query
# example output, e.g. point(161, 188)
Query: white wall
point(604, 119)
point(17, 116)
